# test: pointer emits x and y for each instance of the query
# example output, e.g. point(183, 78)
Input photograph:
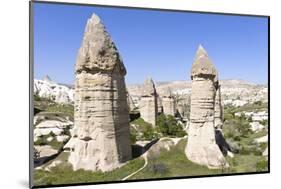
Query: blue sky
point(152, 43)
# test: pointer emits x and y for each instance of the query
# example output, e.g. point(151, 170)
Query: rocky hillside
point(235, 92)
point(47, 88)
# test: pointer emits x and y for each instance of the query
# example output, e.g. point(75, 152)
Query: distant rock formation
point(101, 134)
point(47, 88)
point(148, 102)
point(201, 146)
point(131, 103)
point(47, 79)
point(159, 105)
point(168, 103)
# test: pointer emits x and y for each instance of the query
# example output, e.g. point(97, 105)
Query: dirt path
point(145, 164)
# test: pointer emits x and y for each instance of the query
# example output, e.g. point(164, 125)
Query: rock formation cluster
point(201, 146)
point(101, 135)
point(168, 103)
point(148, 103)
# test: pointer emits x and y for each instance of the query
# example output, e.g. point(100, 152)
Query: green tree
point(168, 126)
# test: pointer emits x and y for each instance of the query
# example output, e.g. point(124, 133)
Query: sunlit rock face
point(201, 146)
point(148, 103)
point(218, 108)
point(101, 134)
point(168, 103)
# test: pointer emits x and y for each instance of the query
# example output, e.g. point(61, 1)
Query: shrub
point(262, 165)
point(158, 168)
point(133, 138)
point(168, 126)
point(145, 131)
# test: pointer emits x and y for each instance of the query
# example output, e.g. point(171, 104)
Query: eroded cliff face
point(201, 146)
point(101, 134)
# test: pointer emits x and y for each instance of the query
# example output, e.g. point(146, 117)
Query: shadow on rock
point(138, 150)
point(221, 142)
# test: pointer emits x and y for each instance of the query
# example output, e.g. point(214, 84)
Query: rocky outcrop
point(101, 134)
point(52, 127)
point(168, 103)
point(148, 102)
point(47, 88)
point(201, 146)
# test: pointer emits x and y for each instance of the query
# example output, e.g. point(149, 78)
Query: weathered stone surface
point(131, 103)
point(148, 102)
point(46, 151)
point(101, 135)
point(168, 103)
point(159, 105)
point(265, 153)
point(51, 126)
point(201, 146)
point(218, 109)
point(202, 65)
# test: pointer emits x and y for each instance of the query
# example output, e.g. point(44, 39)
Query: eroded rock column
point(101, 135)
point(168, 103)
point(218, 108)
point(148, 102)
point(201, 146)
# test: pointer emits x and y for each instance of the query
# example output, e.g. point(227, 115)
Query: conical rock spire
point(149, 88)
point(202, 64)
point(98, 52)
point(101, 134)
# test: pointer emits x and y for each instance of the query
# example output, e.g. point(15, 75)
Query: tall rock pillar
point(201, 145)
point(148, 103)
point(101, 135)
point(168, 103)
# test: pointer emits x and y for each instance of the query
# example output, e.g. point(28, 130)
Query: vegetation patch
point(64, 174)
point(168, 126)
point(141, 130)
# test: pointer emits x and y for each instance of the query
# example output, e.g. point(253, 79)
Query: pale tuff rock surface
point(202, 65)
point(159, 105)
point(49, 89)
point(148, 103)
point(101, 135)
point(218, 109)
point(130, 102)
point(168, 103)
point(201, 146)
point(47, 127)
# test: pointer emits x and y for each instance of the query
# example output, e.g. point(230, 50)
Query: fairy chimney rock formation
point(131, 103)
point(101, 134)
point(168, 102)
point(201, 146)
point(218, 122)
point(148, 102)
